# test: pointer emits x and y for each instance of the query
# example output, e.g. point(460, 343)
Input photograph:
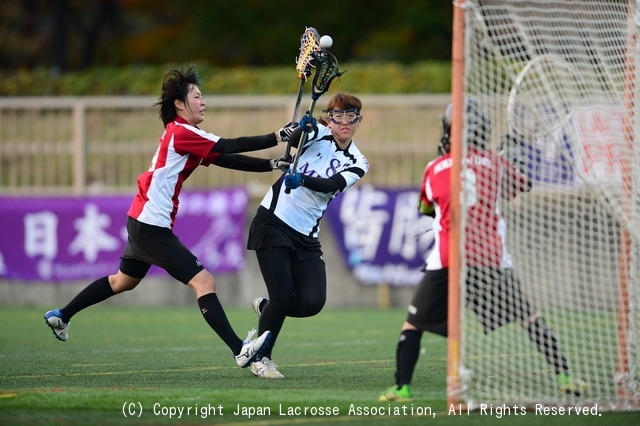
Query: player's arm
point(516, 182)
point(338, 182)
point(243, 162)
point(425, 207)
point(245, 143)
point(326, 185)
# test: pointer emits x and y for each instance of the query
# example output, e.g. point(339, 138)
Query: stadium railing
point(99, 145)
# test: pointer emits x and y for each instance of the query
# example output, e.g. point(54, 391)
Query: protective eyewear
point(338, 116)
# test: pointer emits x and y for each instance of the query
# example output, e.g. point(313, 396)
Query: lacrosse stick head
point(326, 70)
point(309, 43)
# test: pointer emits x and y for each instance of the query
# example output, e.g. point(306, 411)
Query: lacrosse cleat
point(54, 320)
point(266, 368)
point(571, 385)
point(397, 394)
point(251, 348)
point(257, 304)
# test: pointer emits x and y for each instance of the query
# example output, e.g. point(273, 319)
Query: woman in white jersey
point(284, 232)
point(151, 241)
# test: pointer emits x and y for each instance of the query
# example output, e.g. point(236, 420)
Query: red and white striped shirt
point(182, 148)
point(488, 178)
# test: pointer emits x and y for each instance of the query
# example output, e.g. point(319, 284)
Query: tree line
point(72, 35)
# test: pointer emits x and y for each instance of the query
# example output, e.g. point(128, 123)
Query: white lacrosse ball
point(326, 41)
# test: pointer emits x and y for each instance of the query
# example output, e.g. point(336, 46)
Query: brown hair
point(341, 101)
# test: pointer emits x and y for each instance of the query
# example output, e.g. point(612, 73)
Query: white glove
point(282, 163)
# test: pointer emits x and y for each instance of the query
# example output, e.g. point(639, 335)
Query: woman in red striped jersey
point(151, 241)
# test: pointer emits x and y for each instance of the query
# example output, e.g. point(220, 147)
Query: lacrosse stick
point(309, 43)
point(326, 70)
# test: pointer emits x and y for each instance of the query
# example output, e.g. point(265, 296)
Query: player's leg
point(127, 278)
point(427, 312)
point(497, 299)
point(161, 247)
point(300, 293)
point(540, 333)
point(505, 302)
point(203, 284)
point(310, 283)
point(546, 342)
point(275, 266)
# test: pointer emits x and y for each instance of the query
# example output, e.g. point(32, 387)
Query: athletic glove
point(282, 163)
point(285, 132)
point(309, 125)
point(294, 180)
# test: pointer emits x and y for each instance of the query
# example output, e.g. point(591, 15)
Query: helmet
point(445, 131)
point(478, 126)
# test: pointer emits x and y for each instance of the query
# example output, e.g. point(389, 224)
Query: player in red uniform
point(151, 241)
point(494, 292)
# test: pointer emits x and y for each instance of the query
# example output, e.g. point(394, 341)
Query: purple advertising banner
point(382, 236)
point(61, 239)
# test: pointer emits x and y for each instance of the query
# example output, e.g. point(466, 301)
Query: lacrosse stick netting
point(326, 70)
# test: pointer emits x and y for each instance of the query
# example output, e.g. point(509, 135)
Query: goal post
point(559, 82)
point(454, 381)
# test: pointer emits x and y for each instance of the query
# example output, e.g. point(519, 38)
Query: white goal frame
point(616, 199)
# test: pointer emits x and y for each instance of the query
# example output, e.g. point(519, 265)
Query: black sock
point(545, 340)
point(95, 292)
point(407, 353)
point(213, 313)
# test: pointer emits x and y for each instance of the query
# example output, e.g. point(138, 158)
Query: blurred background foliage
point(78, 47)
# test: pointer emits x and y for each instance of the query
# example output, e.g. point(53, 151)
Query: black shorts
point(154, 245)
point(267, 230)
point(428, 308)
point(494, 295)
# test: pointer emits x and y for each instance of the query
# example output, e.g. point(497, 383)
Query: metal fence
point(99, 145)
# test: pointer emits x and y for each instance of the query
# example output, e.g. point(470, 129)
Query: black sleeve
point(326, 185)
point(245, 143)
point(243, 162)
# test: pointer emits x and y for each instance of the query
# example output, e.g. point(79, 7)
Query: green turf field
point(165, 366)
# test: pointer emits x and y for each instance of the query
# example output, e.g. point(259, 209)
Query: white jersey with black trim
point(302, 209)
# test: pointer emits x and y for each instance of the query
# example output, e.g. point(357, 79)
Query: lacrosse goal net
point(561, 79)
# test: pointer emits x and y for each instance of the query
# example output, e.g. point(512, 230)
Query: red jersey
point(488, 177)
point(182, 148)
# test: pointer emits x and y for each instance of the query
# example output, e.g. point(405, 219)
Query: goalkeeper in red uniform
point(493, 290)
